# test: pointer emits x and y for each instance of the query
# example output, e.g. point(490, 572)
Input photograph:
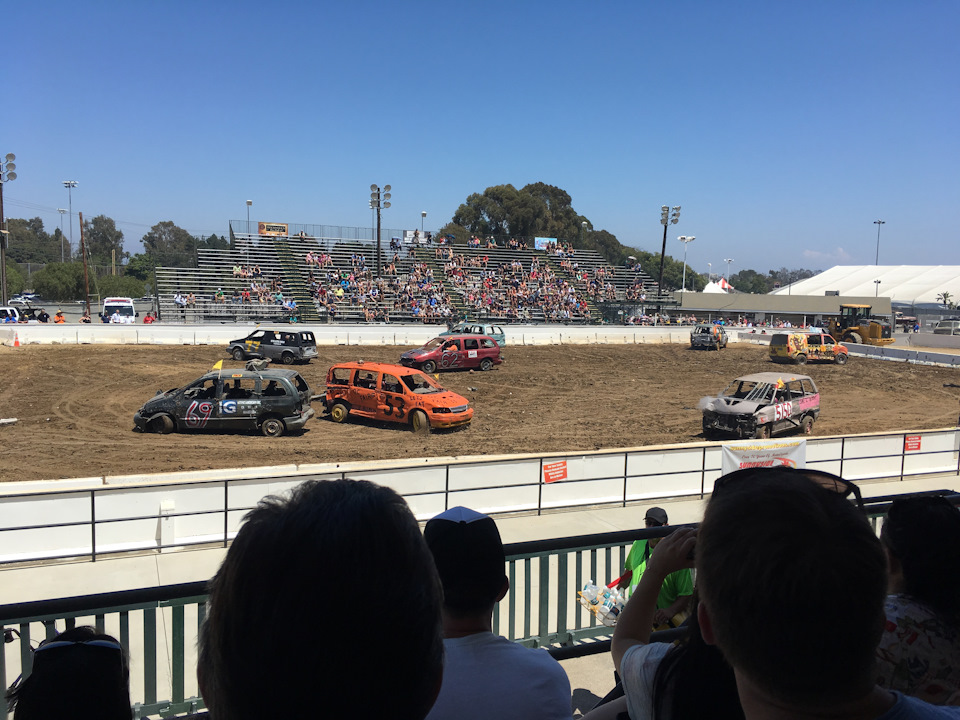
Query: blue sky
point(782, 129)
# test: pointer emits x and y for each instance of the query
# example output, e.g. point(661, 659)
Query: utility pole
point(665, 220)
point(86, 280)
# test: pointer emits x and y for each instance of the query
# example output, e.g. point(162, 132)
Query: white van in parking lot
point(947, 327)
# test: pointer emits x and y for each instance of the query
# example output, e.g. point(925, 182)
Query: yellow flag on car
point(218, 365)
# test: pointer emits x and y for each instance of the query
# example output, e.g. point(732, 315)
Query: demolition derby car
point(761, 405)
point(287, 346)
point(455, 352)
point(712, 337)
point(270, 401)
point(798, 348)
point(393, 393)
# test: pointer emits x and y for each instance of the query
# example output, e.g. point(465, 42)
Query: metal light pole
point(728, 261)
point(686, 240)
point(379, 200)
point(249, 203)
point(70, 185)
point(709, 271)
point(63, 238)
point(423, 216)
point(878, 223)
point(877, 291)
point(7, 174)
point(665, 219)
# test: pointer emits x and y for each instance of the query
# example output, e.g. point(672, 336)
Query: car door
point(239, 403)
point(391, 402)
point(252, 344)
point(364, 395)
point(452, 354)
point(197, 408)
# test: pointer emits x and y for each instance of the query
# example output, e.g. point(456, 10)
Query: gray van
point(287, 346)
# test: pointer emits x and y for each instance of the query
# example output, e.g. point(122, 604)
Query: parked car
point(800, 347)
point(455, 352)
point(761, 405)
point(476, 328)
point(287, 346)
point(393, 393)
point(947, 327)
point(271, 401)
point(9, 314)
point(711, 337)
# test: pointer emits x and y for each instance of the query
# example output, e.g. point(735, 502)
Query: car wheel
point(707, 430)
point(419, 422)
point(854, 338)
point(763, 432)
point(339, 412)
point(287, 358)
point(162, 424)
point(486, 364)
point(800, 359)
point(272, 427)
point(806, 425)
point(429, 367)
point(238, 354)
point(841, 358)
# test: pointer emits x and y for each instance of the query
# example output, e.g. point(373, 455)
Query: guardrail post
point(93, 526)
point(226, 510)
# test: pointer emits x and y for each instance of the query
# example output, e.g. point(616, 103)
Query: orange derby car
point(393, 393)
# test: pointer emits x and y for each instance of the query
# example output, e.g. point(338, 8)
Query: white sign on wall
point(764, 453)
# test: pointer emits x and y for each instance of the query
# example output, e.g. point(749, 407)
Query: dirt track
point(75, 405)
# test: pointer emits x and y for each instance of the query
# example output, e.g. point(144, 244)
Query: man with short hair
point(485, 675)
point(296, 625)
point(677, 587)
point(774, 547)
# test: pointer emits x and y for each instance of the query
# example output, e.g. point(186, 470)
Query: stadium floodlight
point(666, 219)
point(378, 202)
point(686, 240)
point(878, 223)
point(70, 185)
point(7, 174)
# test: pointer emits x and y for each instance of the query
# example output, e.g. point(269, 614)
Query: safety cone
point(16, 339)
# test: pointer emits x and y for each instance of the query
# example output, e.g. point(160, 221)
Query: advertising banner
point(791, 452)
point(541, 243)
point(272, 229)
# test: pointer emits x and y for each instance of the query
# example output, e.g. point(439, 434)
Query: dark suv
point(271, 401)
point(287, 346)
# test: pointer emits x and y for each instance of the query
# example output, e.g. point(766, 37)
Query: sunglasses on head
point(828, 481)
point(109, 644)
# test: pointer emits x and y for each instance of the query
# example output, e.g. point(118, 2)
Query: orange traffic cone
point(16, 340)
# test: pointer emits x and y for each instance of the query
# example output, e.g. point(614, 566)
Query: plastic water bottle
point(612, 605)
point(590, 594)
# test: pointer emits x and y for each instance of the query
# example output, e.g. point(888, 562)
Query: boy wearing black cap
point(485, 675)
point(677, 587)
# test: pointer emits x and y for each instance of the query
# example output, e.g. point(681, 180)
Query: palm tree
point(944, 298)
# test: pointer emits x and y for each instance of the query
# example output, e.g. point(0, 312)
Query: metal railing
point(540, 610)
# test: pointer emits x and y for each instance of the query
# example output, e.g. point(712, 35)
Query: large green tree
point(102, 240)
point(28, 242)
point(60, 281)
point(536, 210)
point(168, 244)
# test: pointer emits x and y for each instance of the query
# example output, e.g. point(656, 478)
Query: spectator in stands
point(85, 318)
point(149, 318)
point(677, 588)
point(774, 547)
point(919, 652)
point(79, 674)
point(59, 319)
point(690, 680)
point(43, 316)
point(346, 558)
point(485, 675)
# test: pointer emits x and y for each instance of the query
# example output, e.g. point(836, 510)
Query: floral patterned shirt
point(919, 653)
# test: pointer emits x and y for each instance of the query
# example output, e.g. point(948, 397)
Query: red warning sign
point(555, 471)
point(911, 442)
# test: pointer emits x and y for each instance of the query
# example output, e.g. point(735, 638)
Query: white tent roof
point(903, 284)
point(713, 287)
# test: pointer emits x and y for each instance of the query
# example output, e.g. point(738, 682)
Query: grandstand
point(336, 280)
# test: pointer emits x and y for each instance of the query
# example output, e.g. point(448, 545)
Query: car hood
point(448, 399)
point(157, 400)
point(414, 353)
point(731, 406)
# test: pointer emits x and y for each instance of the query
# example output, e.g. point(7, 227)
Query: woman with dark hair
point(919, 652)
point(686, 681)
point(79, 674)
